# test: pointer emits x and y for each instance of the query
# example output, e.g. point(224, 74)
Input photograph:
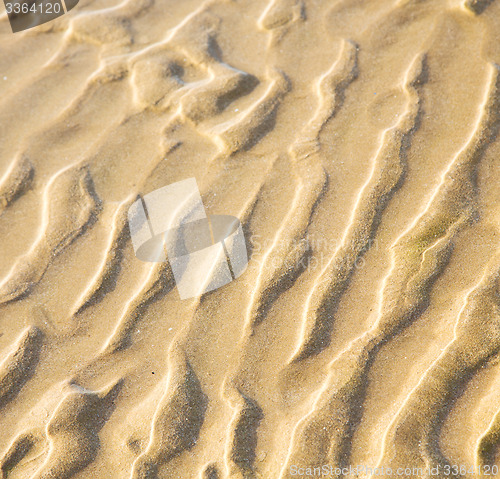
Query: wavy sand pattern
point(358, 143)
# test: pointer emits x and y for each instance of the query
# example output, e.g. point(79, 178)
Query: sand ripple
point(356, 141)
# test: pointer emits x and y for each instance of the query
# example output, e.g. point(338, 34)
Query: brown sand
point(356, 140)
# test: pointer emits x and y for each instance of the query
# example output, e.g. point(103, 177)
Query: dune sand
point(356, 141)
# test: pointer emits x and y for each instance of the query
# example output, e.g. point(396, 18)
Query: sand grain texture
point(358, 143)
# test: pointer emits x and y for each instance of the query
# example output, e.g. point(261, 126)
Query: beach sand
point(357, 143)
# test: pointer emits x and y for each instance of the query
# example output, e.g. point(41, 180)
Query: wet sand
point(357, 143)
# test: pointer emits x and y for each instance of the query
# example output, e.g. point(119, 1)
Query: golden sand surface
point(356, 141)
